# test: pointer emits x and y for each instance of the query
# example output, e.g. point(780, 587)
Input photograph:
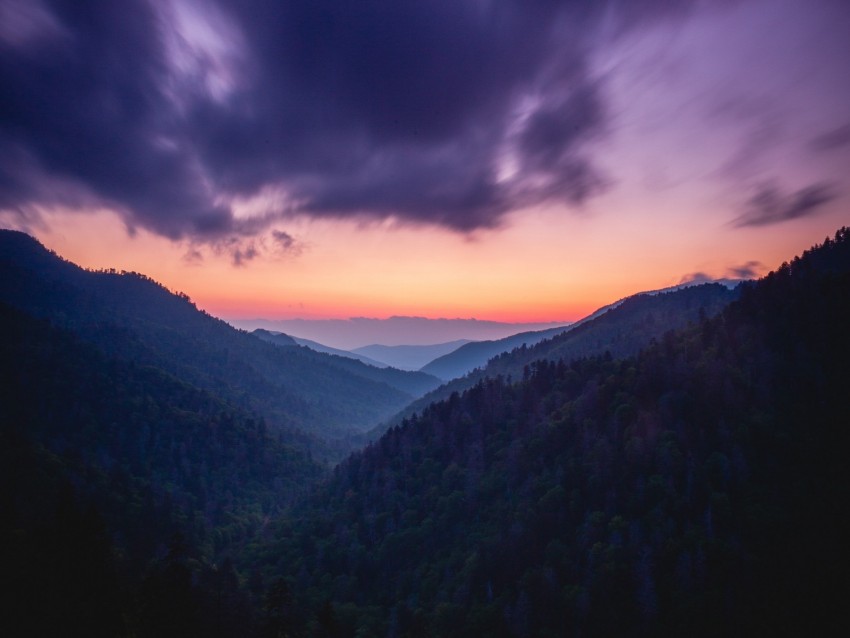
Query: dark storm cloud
point(88, 109)
point(769, 205)
point(444, 112)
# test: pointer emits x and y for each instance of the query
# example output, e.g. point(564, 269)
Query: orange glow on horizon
point(236, 309)
point(542, 267)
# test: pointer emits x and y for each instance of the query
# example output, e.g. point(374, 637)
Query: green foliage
point(695, 488)
point(621, 331)
point(698, 488)
point(133, 318)
point(103, 462)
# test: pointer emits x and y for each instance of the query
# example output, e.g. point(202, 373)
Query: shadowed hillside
point(698, 488)
point(478, 353)
point(136, 319)
point(621, 330)
point(122, 488)
point(413, 383)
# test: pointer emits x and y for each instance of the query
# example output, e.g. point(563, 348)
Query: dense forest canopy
point(300, 393)
point(107, 463)
point(698, 488)
point(692, 483)
point(621, 329)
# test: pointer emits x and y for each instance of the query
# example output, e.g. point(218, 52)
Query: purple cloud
point(749, 270)
point(769, 205)
point(832, 140)
point(182, 115)
point(695, 278)
point(437, 112)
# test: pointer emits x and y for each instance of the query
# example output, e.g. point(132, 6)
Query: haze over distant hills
point(159, 468)
point(282, 339)
point(452, 359)
point(406, 357)
point(474, 354)
point(691, 483)
point(358, 332)
point(132, 318)
point(620, 329)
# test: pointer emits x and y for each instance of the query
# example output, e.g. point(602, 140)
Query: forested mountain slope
point(132, 317)
point(478, 353)
point(409, 357)
point(621, 330)
point(699, 488)
point(284, 339)
point(414, 384)
point(121, 490)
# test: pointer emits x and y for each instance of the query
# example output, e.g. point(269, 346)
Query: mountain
point(409, 357)
point(277, 338)
point(126, 494)
point(133, 318)
point(697, 488)
point(621, 329)
point(282, 339)
point(356, 332)
point(477, 353)
point(319, 347)
point(624, 327)
point(412, 383)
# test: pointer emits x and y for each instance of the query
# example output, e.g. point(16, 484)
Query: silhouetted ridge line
point(696, 488)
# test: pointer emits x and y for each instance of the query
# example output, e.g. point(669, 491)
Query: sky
point(507, 160)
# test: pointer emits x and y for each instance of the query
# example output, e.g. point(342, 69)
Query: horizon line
point(391, 317)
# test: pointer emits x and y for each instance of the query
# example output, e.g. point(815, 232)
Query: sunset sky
point(510, 160)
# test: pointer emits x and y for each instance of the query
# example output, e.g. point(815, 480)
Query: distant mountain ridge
point(357, 332)
point(474, 355)
point(277, 338)
point(696, 488)
point(409, 357)
point(283, 339)
point(320, 347)
point(477, 353)
point(132, 317)
point(410, 381)
point(621, 328)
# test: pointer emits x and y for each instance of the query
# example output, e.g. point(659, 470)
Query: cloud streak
point(770, 205)
point(748, 270)
point(436, 112)
point(832, 140)
point(698, 277)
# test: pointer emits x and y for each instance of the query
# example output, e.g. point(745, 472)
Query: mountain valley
point(647, 471)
